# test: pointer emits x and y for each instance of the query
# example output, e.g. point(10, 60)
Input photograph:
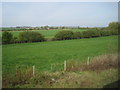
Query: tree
point(6, 37)
point(114, 26)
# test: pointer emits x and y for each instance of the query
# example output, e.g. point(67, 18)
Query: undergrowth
point(101, 71)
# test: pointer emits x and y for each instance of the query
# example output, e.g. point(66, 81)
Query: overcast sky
point(87, 14)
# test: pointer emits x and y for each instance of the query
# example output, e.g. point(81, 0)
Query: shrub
point(102, 62)
point(105, 33)
point(15, 40)
point(77, 35)
point(64, 35)
point(6, 37)
point(91, 33)
point(86, 34)
point(114, 32)
point(95, 33)
point(113, 26)
point(31, 37)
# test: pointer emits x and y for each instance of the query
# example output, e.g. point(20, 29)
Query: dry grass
point(86, 79)
point(21, 77)
point(97, 63)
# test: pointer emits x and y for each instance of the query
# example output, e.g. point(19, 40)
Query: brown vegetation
point(97, 63)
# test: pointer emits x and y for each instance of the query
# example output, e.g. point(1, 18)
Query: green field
point(43, 54)
point(46, 33)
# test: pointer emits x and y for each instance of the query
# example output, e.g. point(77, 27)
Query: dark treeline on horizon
point(44, 27)
point(47, 27)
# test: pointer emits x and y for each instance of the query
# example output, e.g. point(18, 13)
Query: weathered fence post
point(33, 71)
point(88, 61)
point(65, 64)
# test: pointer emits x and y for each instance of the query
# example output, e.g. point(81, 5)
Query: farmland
point(46, 33)
point(59, 45)
point(43, 54)
point(88, 57)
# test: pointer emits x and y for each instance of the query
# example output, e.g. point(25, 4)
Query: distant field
point(46, 33)
point(43, 54)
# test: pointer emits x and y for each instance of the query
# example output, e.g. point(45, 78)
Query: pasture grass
point(43, 54)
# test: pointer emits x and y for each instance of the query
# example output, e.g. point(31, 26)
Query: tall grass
point(97, 63)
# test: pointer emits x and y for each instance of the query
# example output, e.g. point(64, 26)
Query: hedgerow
point(31, 37)
point(28, 36)
point(64, 35)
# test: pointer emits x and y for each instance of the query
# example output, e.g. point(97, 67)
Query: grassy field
point(43, 54)
point(46, 33)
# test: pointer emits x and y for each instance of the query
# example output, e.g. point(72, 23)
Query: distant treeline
point(45, 28)
point(26, 36)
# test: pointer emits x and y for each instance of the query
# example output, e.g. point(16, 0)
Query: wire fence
point(65, 66)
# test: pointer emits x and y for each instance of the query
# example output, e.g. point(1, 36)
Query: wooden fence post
point(33, 71)
point(65, 64)
point(88, 61)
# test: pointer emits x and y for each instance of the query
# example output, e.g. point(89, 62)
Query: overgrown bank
point(79, 77)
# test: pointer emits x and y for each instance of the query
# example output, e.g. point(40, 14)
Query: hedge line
point(65, 35)
point(24, 37)
point(29, 36)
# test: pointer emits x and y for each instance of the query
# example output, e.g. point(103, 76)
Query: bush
point(114, 32)
point(105, 33)
point(95, 33)
point(6, 37)
point(31, 37)
point(64, 35)
point(97, 63)
point(14, 40)
point(77, 35)
point(91, 33)
point(113, 26)
point(86, 34)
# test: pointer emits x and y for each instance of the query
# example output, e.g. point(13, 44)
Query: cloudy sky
point(87, 14)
